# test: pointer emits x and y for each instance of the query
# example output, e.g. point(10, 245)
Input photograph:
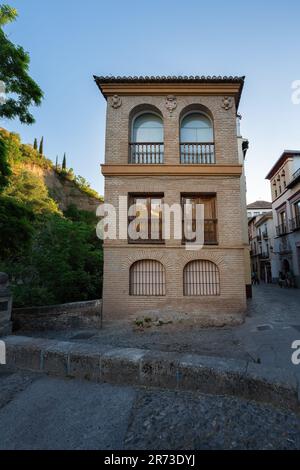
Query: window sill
point(146, 242)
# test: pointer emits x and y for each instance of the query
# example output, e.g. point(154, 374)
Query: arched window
point(197, 139)
point(147, 139)
point(201, 278)
point(147, 277)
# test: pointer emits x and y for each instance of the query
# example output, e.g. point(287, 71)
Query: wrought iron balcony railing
point(296, 174)
point(281, 229)
point(264, 255)
point(195, 153)
point(295, 179)
point(295, 223)
point(147, 153)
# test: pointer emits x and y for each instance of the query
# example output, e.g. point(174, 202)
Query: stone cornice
point(171, 170)
point(192, 86)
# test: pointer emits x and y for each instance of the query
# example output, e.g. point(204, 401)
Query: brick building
point(175, 140)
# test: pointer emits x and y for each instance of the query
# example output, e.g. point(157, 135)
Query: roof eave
point(281, 160)
point(102, 81)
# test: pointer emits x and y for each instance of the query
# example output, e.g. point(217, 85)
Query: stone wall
point(58, 317)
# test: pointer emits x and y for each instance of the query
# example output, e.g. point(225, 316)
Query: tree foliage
point(16, 228)
point(63, 264)
point(50, 257)
point(31, 191)
point(14, 73)
point(41, 147)
point(64, 163)
point(5, 170)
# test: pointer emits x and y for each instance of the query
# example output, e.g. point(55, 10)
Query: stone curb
point(140, 367)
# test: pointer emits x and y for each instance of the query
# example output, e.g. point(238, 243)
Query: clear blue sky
point(70, 40)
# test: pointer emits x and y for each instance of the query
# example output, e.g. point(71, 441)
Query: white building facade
point(285, 187)
point(261, 236)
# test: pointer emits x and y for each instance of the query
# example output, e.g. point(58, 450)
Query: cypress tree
point(64, 163)
point(56, 162)
point(41, 149)
point(35, 144)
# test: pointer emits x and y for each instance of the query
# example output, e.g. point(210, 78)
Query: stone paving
point(38, 412)
point(272, 324)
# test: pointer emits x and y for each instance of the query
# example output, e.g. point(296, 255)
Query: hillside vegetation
point(51, 255)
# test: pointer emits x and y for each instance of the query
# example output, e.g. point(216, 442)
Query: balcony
point(295, 179)
point(146, 153)
point(281, 230)
point(295, 223)
point(265, 235)
point(264, 255)
point(258, 237)
point(192, 153)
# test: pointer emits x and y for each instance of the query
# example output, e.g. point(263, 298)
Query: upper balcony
point(265, 234)
point(147, 139)
point(146, 153)
point(295, 223)
point(196, 139)
point(197, 153)
point(295, 179)
point(281, 229)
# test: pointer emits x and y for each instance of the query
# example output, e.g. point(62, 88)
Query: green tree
point(41, 147)
point(51, 273)
point(14, 73)
point(64, 163)
point(16, 228)
point(31, 191)
point(35, 144)
point(5, 170)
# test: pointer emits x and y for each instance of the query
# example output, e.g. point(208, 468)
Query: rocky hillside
point(63, 186)
point(64, 191)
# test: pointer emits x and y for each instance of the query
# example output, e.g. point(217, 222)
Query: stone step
point(141, 367)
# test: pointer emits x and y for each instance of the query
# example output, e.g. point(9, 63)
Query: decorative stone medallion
point(227, 103)
point(171, 103)
point(116, 101)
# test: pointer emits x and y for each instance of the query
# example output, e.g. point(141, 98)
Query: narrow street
point(76, 414)
point(271, 325)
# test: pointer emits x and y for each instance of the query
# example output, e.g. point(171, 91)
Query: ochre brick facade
point(231, 255)
point(118, 126)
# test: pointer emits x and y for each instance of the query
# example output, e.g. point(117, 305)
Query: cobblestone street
point(38, 412)
point(83, 415)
